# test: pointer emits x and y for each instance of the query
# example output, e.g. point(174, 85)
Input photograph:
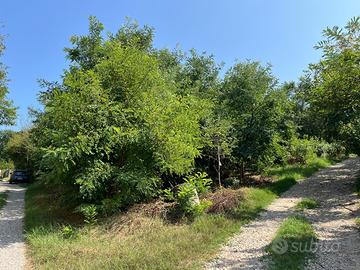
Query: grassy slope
point(143, 243)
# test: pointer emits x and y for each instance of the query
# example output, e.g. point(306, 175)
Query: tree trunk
point(242, 171)
point(219, 165)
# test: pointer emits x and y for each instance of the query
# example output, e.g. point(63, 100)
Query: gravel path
point(339, 245)
point(12, 246)
point(333, 221)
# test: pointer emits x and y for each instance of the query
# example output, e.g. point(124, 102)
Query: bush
point(115, 188)
point(199, 209)
point(167, 195)
point(231, 182)
point(336, 150)
point(302, 150)
point(200, 181)
point(306, 149)
point(333, 150)
point(110, 206)
point(90, 213)
point(68, 232)
point(187, 195)
point(189, 202)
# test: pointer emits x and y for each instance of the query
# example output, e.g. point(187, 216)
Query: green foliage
point(302, 150)
point(68, 232)
point(248, 96)
point(307, 203)
point(7, 110)
point(187, 198)
point(357, 222)
point(187, 195)
point(292, 245)
point(5, 160)
point(200, 181)
point(199, 209)
point(116, 123)
point(168, 195)
point(299, 171)
point(128, 119)
point(21, 150)
point(90, 213)
point(145, 243)
point(334, 95)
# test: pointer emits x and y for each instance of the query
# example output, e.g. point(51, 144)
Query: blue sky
point(281, 32)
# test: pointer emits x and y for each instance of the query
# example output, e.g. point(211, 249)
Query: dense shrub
point(187, 195)
point(128, 120)
point(302, 150)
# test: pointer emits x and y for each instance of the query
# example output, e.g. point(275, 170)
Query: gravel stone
point(333, 221)
point(12, 246)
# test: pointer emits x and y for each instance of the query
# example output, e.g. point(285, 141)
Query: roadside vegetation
point(145, 236)
point(3, 197)
point(141, 154)
point(307, 203)
point(129, 123)
point(292, 246)
point(357, 221)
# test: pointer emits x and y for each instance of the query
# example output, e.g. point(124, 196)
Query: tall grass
point(300, 171)
point(292, 245)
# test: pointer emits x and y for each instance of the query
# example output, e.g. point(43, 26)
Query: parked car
point(19, 176)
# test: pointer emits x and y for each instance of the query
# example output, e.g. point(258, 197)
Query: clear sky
point(281, 32)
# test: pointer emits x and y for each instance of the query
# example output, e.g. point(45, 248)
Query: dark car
point(19, 176)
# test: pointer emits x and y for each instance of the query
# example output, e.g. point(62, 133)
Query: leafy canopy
point(7, 110)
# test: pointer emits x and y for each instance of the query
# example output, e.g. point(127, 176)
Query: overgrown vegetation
point(140, 239)
point(130, 123)
point(7, 110)
point(299, 171)
point(292, 245)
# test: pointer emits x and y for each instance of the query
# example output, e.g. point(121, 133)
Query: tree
point(116, 124)
point(7, 110)
point(248, 96)
point(19, 148)
point(5, 136)
point(335, 95)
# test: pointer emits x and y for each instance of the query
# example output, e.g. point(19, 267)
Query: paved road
point(12, 246)
point(333, 222)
